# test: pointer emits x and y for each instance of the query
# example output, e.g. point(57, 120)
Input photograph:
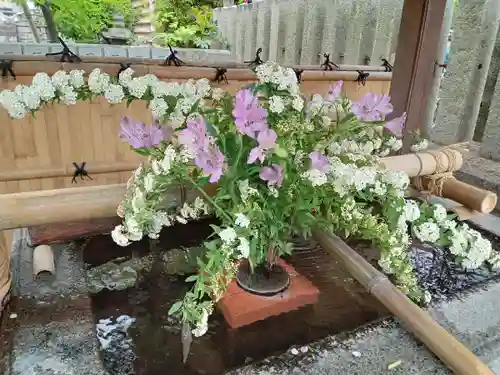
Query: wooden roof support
point(415, 60)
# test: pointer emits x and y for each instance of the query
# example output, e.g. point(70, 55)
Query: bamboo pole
point(447, 348)
point(31, 67)
point(200, 64)
point(67, 171)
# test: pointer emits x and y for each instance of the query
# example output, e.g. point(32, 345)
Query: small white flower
point(158, 107)
point(273, 192)
point(276, 104)
point(244, 247)
point(68, 95)
point(98, 82)
point(181, 220)
point(126, 76)
point(298, 103)
point(316, 177)
point(440, 213)
point(168, 158)
point(242, 220)
point(427, 232)
point(420, 146)
point(149, 182)
point(228, 235)
point(217, 94)
point(76, 78)
point(118, 236)
point(411, 211)
point(114, 94)
point(60, 79)
point(202, 325)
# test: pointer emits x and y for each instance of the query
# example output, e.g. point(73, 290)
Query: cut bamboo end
point(43, 261)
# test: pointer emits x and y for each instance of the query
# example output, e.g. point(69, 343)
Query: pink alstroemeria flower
point(267, 140)
point(334, 91)
point(396, 125)
point(249, 116)
point(372, 107)
point(211, 162)
point(272, 174)
point(139, 135)
point(194, 136)
point(319, 161)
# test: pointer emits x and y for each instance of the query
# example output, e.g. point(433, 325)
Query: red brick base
point(241, 308)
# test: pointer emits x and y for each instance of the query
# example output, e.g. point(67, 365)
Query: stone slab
point(241, 308)
point(471, 317)
point(68, 281)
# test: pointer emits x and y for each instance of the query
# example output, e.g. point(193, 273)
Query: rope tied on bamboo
point(432, 184)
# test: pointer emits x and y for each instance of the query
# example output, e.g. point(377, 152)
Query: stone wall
point(299, 32)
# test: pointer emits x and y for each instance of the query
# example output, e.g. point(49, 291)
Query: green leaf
point(175, 307)
point(191, 278)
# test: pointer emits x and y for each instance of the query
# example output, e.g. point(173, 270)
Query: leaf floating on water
point(186, 340)
point(393, 365)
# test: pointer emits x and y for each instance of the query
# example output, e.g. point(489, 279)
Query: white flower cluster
point(230, 237)
point(66, 87)
point(470, 247)
point(316, 177)
point(420, 146)
point(284, 78)
point(202, 325)
point(43, 88)
point(345, 177)
point(357, 150)
point(246, 190)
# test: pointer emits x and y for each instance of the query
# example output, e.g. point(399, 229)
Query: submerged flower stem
point(210, 200)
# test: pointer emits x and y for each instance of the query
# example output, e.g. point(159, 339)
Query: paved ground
point(59, 337)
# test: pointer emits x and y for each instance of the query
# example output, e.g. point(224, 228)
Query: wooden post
point(412, 78)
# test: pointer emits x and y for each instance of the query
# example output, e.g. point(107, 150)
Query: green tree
point(83, 20)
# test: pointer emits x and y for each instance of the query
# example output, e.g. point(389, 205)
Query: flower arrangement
point(284, 165)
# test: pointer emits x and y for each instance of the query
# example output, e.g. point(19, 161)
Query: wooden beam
point(21, 210)
point(415, 60)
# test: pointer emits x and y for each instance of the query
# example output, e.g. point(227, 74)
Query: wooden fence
point(300, 32)
point(36, 153)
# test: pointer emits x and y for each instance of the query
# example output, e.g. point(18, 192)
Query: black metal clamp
point(172, 59)
point(81, 172)
point(6, 67)
point(123, 67)
point(220, 75)
point(387, 65)
point(362, 76)
point(298, 73)
point(256, 61)
point(66, 54)
point(327, 64)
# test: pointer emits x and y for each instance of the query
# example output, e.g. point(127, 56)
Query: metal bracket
point(327, 64)
point(362, 76)
point(256, 61)
point(81, 172)
point(298, 73)
point(66, 54)
point(220, 75)
point(6, 66)
point(387, 65)
point(172, 58)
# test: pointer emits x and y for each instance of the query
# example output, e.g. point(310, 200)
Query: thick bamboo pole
point(454, 354)
point(34, 60)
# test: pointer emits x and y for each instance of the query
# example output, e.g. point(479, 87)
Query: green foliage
point(83, 20)
point(184, 23)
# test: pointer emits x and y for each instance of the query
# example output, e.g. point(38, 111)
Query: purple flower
point(194, 136)
point(396, 125)
point(334, 91)
point(139, 135)
point(211, 162)
point(250, 117)
point(319, 161)
point(372, 107)
point(267, 140)
point(273, 175)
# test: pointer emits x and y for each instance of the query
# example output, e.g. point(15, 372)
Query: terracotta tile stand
point(241, 308)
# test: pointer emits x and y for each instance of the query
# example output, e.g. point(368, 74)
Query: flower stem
point(210, 200)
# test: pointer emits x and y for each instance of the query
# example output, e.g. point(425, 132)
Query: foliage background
point(83, 20)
